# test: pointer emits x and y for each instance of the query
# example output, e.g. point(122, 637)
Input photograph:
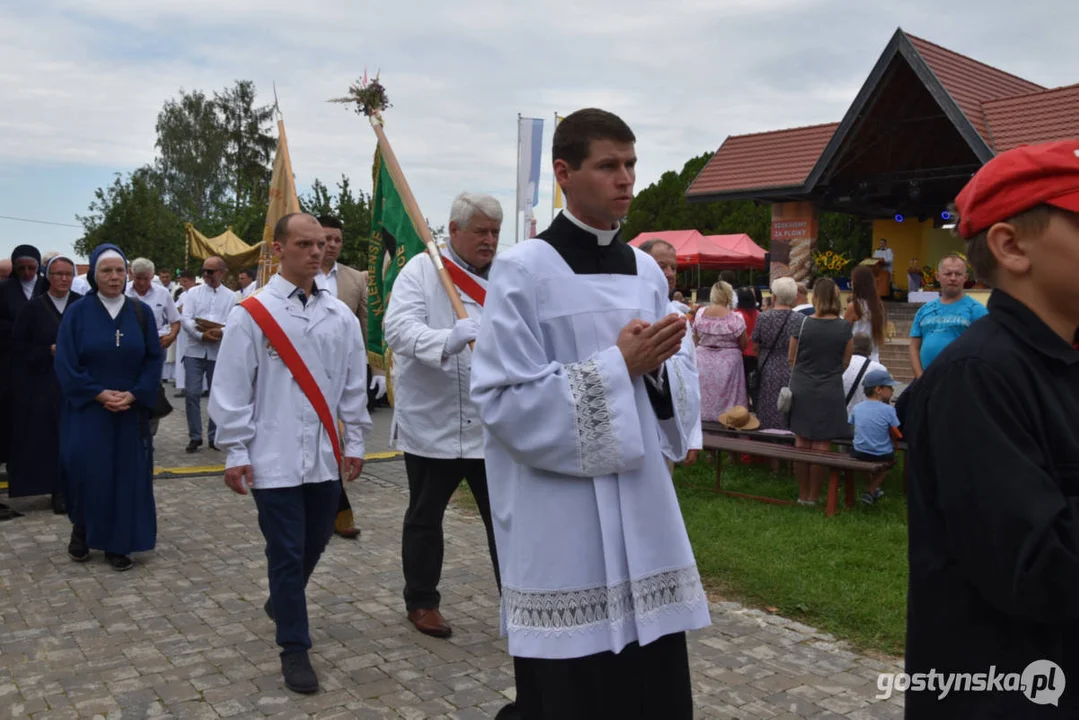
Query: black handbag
point(753, 383)
point(162, 407)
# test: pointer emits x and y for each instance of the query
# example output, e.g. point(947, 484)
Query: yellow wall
point(912, 239)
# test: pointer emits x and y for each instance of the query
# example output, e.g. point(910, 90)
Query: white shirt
point(247, 291)
point(28, 287)
point(886, 255)
point(59, 303)
point(160, 301)
point(684, 366)
point(855, 367)
point(80, 285)
point(433, 414)
point(328, 280)
point(263, 417)
point(203, 301)
point(592, 547)
point(680, 307)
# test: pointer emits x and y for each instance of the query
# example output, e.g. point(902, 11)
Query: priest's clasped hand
point(464, 331)
point(645, 347)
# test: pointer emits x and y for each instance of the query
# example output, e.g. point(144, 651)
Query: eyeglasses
point(62, 275)
point(208, 271)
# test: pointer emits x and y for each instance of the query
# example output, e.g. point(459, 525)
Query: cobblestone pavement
point(183, 635)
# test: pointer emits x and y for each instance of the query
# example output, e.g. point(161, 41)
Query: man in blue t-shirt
point(940, 322)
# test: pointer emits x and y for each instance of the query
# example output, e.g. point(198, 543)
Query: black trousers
point(297, 523)
point(645, 683)
point(431, 483)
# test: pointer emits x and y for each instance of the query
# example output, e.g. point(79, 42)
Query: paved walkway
point(183, 635)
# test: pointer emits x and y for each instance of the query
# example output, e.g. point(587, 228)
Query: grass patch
point(846, 575)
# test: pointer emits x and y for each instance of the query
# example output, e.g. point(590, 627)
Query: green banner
point(394, 240)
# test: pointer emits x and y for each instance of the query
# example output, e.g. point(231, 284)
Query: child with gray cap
point(876, 428)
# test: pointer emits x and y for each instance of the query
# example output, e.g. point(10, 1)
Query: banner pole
point(517, 184)
point(419, 222)
point(554, 180)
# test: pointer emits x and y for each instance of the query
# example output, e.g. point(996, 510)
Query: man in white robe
point(435, 422)
point(599, 583)
point(667, 258)
point(275, 441)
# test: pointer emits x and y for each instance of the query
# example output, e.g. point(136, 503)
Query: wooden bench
point(788, 439)
point(836, 462)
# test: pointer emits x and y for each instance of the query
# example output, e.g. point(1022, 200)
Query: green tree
point(353, 209)
point(132, 214)
point(191, 144)
point(249, 143)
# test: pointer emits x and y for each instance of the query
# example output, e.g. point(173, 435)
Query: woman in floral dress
point(721, 337)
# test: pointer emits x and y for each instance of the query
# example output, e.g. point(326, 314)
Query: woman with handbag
point(820, 350)
point(108, 365)
point(771, 337)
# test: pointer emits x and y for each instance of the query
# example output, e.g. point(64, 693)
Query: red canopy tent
point(709, 252)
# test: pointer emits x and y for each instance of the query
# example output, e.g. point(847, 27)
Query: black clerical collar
point(581, 250)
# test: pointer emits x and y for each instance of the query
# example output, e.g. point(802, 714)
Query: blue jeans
point(296, 522)
point(194, 369)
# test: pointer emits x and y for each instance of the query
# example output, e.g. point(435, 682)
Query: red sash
point(465, 282)
point(277, 337)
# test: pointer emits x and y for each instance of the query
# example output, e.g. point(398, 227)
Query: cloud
point(83, 82)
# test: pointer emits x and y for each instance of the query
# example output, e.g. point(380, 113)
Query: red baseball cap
point(1016, 181)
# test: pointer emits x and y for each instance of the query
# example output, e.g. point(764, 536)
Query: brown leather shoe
point(429, 621)
point(349, 533)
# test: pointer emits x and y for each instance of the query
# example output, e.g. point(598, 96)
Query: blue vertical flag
point(529, 153)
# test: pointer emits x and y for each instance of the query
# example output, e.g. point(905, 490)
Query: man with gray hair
point(166, 320)
point(435, 421)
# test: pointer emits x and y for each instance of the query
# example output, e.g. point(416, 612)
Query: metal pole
point(517, 184)
point(554, 180)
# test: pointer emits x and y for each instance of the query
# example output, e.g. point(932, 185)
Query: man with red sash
point(435, 422)
point(291, 366)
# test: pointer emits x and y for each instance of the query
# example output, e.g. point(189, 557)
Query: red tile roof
point(969, 82)
point(1038, 117)
point(778, 159)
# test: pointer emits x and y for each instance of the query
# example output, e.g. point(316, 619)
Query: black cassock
point(34, 459)
point(12, 300)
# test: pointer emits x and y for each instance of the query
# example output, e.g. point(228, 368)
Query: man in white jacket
point(276, 443)
point(435, 422)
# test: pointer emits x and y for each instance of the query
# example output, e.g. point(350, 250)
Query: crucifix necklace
point(118, 336)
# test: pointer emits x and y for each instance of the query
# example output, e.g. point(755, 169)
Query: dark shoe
point(509, 712)
point(268, 607)
point(179, 394)
point(77, 549)
point(194, 446)
point(120, 563)
point(429, 621)
point(350, 533)
point(212, 446)
point(7, 513)
point(59, 507)
point(299, 675)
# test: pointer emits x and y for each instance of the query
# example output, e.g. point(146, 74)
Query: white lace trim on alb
point(566, 612)
point(596, 443)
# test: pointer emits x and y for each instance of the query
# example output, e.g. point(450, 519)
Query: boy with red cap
point(994, 450)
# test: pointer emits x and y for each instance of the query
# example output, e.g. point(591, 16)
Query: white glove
point(378, 382)
point(464, 332)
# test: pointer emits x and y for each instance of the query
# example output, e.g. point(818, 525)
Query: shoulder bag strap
point(295, 364)
point(858, 379)
point(776, 339)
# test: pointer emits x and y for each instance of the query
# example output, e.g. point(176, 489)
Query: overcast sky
point(82, 81)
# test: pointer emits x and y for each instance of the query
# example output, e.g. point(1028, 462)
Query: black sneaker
point(299, 675)
point(120, 563)
point(77, 549)
point(59, 507)
point(509, 712)
point(268, 607)
point(194, 445)
point(212, 446)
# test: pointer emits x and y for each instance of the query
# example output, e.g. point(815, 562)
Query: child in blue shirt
point(875, 428)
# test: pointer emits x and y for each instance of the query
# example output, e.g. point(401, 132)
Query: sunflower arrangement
point(369, 96)
point(831, 264)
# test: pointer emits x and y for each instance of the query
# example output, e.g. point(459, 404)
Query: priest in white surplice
point(578, 404)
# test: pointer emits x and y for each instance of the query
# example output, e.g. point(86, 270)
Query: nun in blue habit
point(109, 371)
